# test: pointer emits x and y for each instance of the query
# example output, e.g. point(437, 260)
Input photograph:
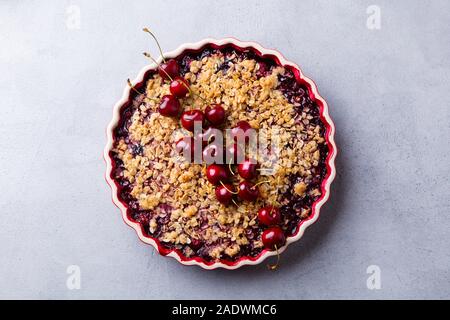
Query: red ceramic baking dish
point(279, 60)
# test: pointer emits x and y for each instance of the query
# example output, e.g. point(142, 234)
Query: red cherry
point(216, 174)
point(215, 114)
point(179, 87)
point(185, 146)
point(190, 117)
point(273, 238)
point(169, 106)
point(247, 191)
point(247, 169)
point(241, 128)
point(169, 68)
point(224, 193)
point(269, 216)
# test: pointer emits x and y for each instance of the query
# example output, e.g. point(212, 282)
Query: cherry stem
point(157, 42)
point(235, 203)
point(229, 167)
point(273, 267)
point(197, 95)
point(137, 91)
point(157, 64)
point(132, 87)
point(261, 182)
point(223, 185)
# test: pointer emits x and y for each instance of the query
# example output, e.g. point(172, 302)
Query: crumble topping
point(300, 188)
point(173, 199)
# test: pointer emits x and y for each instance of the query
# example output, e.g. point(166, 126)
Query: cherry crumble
point(208, 211)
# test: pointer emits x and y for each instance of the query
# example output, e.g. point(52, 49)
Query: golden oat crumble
point(300, 188)
point(158, 179)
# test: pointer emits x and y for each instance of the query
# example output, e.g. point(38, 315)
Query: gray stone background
point(388, 92)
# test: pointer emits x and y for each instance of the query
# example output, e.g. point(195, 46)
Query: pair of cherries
point(219, 176)
point(179, 87)
point(273, 237)
point(214, 115)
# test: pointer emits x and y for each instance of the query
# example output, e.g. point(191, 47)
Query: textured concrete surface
point(388, 91)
